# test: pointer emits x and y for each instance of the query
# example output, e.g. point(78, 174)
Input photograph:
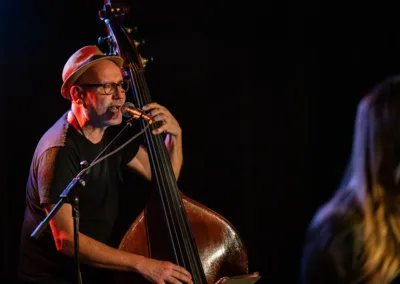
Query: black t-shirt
point(55, 164)
point(333, 249)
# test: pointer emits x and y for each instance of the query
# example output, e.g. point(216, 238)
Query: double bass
point(172, 226)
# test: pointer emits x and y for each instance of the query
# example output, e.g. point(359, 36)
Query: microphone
point(128, 109)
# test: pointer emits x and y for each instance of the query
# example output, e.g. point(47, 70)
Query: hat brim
point(74, 76)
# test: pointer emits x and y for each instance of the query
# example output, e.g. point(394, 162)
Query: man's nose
point(119, 93)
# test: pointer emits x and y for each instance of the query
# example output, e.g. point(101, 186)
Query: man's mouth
point(114, 109)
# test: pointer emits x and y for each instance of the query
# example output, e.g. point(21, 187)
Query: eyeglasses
point(110, 88)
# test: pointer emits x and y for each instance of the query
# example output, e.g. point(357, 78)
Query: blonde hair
point(380, 237)
point(371, 179)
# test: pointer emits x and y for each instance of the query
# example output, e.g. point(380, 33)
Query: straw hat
point(79, 62)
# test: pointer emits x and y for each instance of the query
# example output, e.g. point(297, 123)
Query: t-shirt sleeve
point(56, 169)
point(329, 254)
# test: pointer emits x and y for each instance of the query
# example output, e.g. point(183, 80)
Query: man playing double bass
point(94, 84)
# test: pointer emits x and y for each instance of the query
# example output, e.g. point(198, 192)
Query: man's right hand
point(162, 272)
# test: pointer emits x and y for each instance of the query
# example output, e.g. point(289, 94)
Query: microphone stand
point(65, 196)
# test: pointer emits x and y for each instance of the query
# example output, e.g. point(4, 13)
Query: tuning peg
point(102, 41)
point(105, 43)
point(139, 42)
point(129, 29)
point(146, 60)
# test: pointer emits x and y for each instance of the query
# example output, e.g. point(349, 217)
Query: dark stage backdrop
point(265, 93)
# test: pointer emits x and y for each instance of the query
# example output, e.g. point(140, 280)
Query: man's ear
point(77, 94)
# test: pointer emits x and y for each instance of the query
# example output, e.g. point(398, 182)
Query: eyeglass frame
point(119, 84)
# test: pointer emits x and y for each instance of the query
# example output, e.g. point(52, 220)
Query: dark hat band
point(94, 57)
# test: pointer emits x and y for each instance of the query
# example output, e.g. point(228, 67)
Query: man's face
point(101, 108)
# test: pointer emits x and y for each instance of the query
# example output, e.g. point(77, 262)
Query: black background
point(265, 92)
